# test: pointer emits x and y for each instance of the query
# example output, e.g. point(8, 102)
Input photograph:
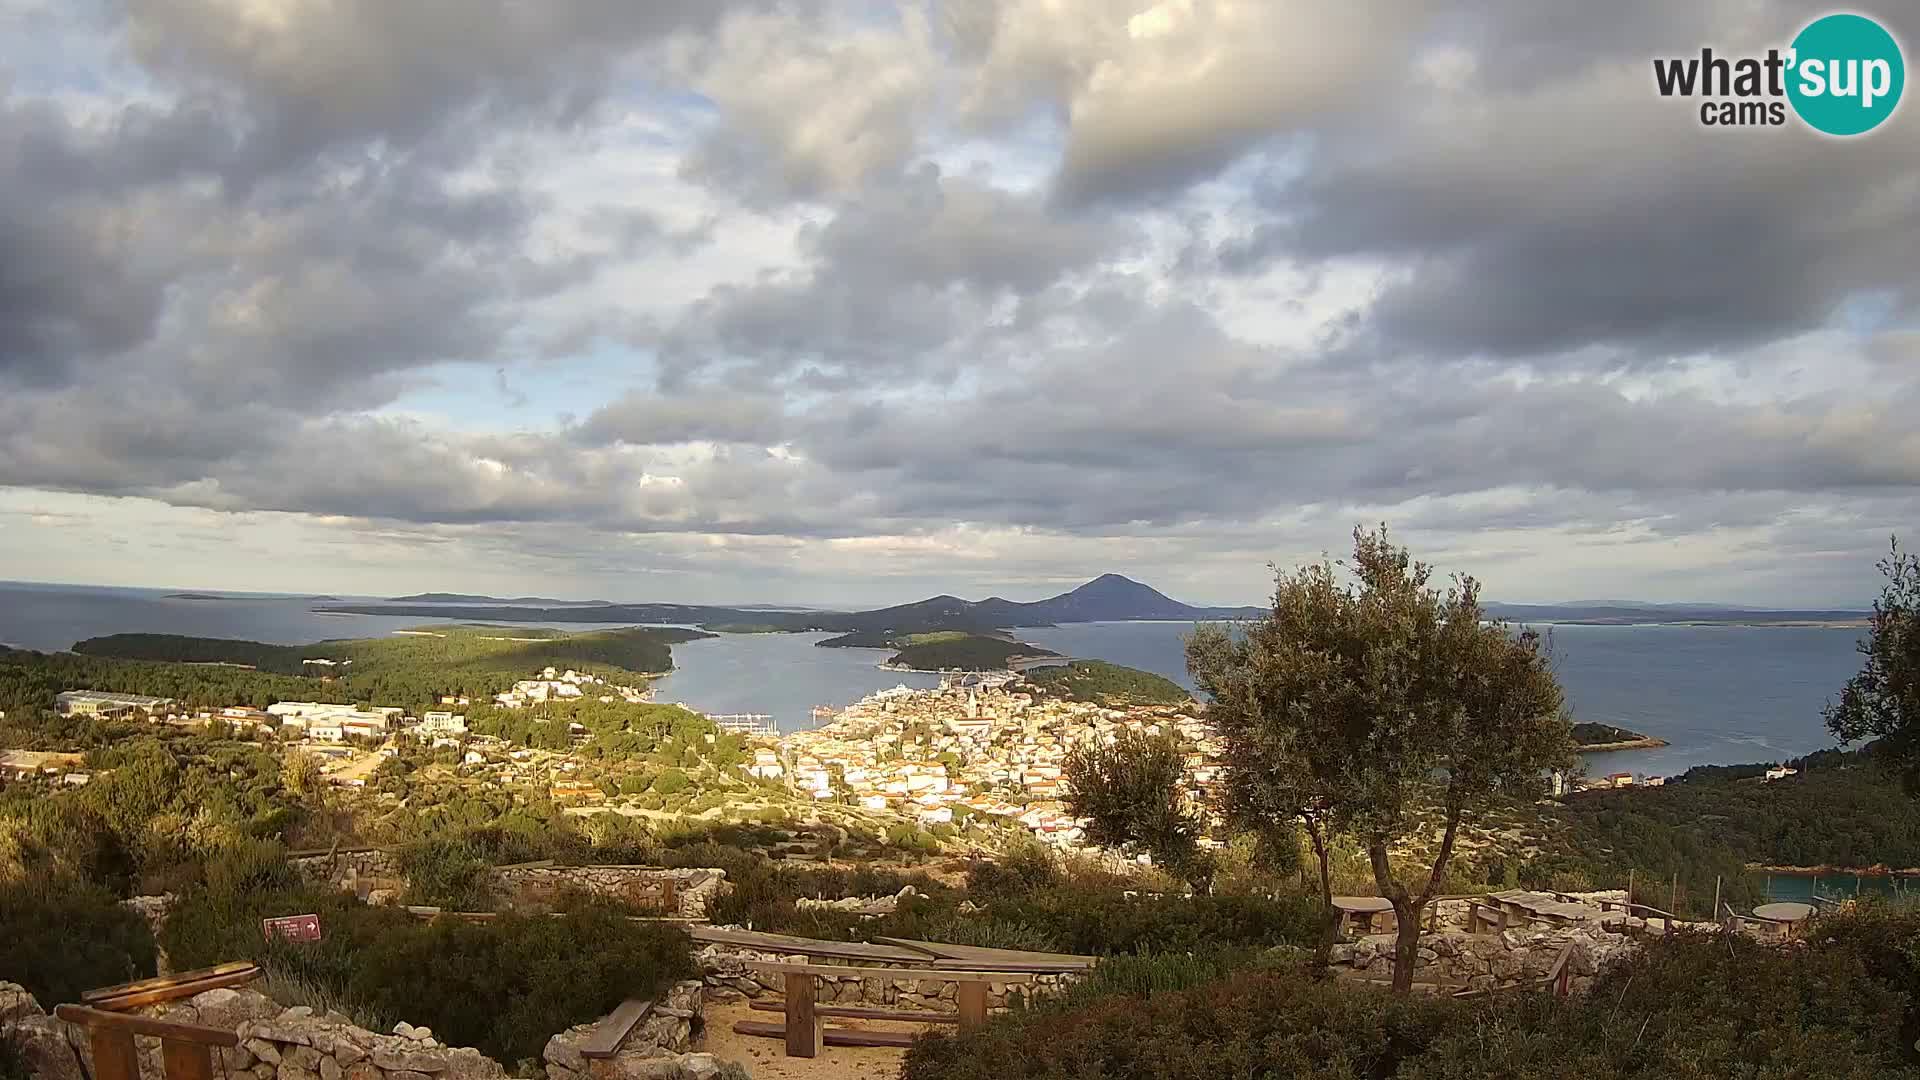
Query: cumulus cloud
point(753, 295)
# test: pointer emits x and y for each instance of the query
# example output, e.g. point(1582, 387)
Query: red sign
point(292, 928)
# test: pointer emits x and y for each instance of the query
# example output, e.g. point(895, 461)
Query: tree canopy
point(1368, 696)
point(1131, 794)
point(1883, 700)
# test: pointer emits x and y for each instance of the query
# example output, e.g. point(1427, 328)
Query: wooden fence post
point(803, 1024)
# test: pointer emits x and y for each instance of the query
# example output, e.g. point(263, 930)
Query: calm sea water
point(1719, 695)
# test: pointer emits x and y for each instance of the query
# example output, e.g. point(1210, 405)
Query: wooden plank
point(830, 1036)
point(136, 999)
point(162, 981)
point(607, 1035)
point(800, 946)
point(114, 1057)
point(802, 1023)
point(972, 1000)
point(98, 1019)
point(989, 957)
point(865, 1012)
point(1029, 967)
point(182, 1060)
point(772, 967)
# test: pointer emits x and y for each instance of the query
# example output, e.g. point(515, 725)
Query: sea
point(1717, 694)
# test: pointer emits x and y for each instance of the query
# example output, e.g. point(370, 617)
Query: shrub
point(1840, 1008)
point(448, 872)
point(63, 936)
point(506, 985)
point(1278, 1024)
point(1027, 868)
point(1102, 920)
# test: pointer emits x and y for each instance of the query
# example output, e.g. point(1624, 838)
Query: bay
point(1718, 695)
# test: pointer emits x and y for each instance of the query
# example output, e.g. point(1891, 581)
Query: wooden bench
point(186, 1050)
point(802, 1029)
point(609, 1033)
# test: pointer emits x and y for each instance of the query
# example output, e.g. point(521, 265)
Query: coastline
point(1644, 743)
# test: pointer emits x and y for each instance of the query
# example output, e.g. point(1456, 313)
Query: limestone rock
point(229, 1008)
point(330, 1069)
point(264, 1050)
point(363, 1070)
point(41, 1042)
point(294, 1072)
point(16, 1004)
point(304, 1058)
point(347, 1052)
point(703, 1066)
point(408, 1061)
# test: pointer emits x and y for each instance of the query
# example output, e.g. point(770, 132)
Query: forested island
point(1593, 738)
point(1104, 684)
point(953, 650)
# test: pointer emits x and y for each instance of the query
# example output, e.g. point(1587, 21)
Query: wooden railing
point(186, 1050)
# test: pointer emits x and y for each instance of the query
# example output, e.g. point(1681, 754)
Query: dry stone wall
point(374, 875)
point(276, 1043)
point(1488, 961)
point(724, 968)
point(692, 889)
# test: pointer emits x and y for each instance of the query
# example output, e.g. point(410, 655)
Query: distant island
point(1107, 598)
point(191, 596)
point(1101, 683)
point(954, 650)
point(1593, 738)
point(470, 598)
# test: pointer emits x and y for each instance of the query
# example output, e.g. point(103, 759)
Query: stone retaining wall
point(276, 1043)
point(728, 979)
point(374, 875)
point(1488, 961)
point(693, 889)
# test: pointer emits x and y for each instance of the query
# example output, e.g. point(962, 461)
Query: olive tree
point(1883, 700)
point(1368, 699)
point(1132, 794)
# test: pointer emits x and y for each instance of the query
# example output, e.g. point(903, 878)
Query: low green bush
point(60, 936)
point(1103, 919)
point(1843, 1007)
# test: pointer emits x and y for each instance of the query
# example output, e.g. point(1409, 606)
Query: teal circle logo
point(1846, 76)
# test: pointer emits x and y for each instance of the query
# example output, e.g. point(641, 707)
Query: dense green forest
point(1102, 683)
point(1842, 810)
point(954, 650)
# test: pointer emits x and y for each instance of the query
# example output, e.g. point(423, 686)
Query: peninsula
point(1595, 738)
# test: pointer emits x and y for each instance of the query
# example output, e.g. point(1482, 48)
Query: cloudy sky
point(836, 302)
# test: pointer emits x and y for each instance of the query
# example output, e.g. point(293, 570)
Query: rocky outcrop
point(45, 1045)
point(656, 1049)
point(728, 979)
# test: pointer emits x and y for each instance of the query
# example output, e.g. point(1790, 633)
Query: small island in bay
point(192, 596)
point(958, 650)
point(1593, 738)
point(1097, 682)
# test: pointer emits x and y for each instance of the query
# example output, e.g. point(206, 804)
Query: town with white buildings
point(964, 750)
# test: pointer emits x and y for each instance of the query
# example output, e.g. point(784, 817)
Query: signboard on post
point(292, 928)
